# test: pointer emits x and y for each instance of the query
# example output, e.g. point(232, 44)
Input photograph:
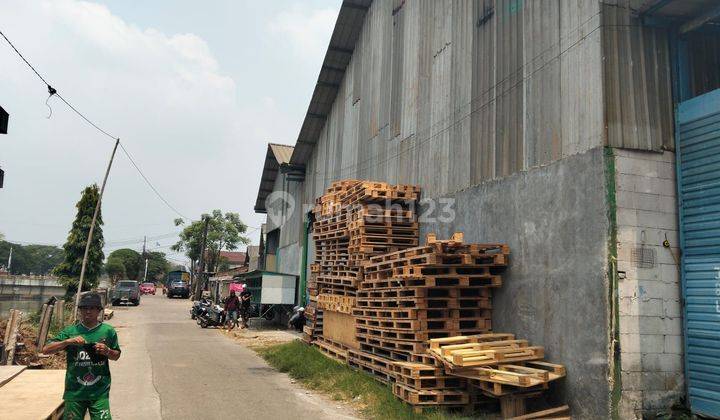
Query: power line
point(53, 91)
point(150, 183)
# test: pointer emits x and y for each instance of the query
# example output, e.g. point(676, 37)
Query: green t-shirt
point(88, 373)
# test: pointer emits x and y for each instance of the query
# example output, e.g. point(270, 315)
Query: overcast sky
point(195, 91)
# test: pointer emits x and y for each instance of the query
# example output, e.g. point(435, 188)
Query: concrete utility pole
point(145, 276)
point(92, 229)
point(201, 277)
point(146, 258)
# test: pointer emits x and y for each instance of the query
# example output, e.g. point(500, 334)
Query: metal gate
point(698, 163)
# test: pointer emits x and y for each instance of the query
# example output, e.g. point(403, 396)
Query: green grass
point(318, 372)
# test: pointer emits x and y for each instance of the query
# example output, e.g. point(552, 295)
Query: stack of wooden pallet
point(354, 220)
point(408, 297)
point(442, 289)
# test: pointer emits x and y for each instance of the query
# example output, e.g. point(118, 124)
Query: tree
point(131, 261)
point(115, 269)
point(224, 233)
point(69, 270)
point(158, 266)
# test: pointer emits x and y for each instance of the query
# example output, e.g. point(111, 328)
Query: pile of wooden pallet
point(497, 366)
point(415, 317)
point(354, 220)
point(408, 297)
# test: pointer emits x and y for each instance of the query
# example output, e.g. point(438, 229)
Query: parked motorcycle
point(198, 307)
point(213, 316)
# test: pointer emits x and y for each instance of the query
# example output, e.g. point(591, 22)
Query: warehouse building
point(552, 126)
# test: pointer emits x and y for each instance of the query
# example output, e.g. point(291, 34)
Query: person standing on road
point(88, 345)
point(245, 297)
point(232, 304)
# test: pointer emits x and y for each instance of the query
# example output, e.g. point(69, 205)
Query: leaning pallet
point(497, 366)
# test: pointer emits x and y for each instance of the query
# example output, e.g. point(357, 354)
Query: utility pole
point(199, 285)
point(146, 259)
point(9, 260)
point(92, 229)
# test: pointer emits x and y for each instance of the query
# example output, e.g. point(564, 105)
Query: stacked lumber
point(354, 220)
point(442, 289)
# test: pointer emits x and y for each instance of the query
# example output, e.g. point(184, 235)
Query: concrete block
point(673, 326)
point(661, 362)
point(652, 343)
point(635, 306)
point(675, 382)
point(651, 325)
point(667, 255)
point(624, 182)
point(629, 324)
point(649, 202)
point(633, 166)
point(666, 170)
point(631, 362)
point(654, 219)
point(659, 400)
point(626, 217)
point(667, 204)
point(630, 343)
point(658, 289)
point(630, 406)
point(643, 381)
point(627, 288)
point(673, 344)
point(672, 308)
point(669, 273)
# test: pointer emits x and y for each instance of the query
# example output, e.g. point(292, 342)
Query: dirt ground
point(261, 336)
point(27, 354)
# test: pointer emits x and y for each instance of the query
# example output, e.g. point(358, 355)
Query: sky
point(194, 90)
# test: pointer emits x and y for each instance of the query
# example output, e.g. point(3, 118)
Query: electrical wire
point(52, 91)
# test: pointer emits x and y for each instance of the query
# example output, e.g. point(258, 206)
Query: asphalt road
point(171, 368)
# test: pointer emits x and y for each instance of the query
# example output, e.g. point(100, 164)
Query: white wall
point(650, 310)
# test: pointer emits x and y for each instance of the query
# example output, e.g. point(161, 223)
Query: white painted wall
point(650, 308)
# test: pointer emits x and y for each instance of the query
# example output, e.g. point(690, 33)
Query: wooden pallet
point(336, 303)
point(405, 313)
point(331, 349)
point(369, 281)
point(482, 350)
point(390, 344)
point(431, 383)
point(416, 370)
point(375, 365)
point(408, 324)
point(432, 397)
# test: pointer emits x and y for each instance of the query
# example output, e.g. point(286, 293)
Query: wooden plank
point(13, 326)
point(34, 394)
point(340, 327)
point(7, 373)
point(556, 412)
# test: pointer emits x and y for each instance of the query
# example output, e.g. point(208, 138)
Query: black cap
point(90, 300)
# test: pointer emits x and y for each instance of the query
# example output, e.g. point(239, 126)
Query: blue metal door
point(698, 163)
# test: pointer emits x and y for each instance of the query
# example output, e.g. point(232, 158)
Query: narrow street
point(172, 369)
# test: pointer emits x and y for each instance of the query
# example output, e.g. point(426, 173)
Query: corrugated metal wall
point(446, 94)
point(638, 90)
point(704, 53)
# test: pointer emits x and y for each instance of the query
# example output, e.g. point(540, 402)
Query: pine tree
point(69, 270)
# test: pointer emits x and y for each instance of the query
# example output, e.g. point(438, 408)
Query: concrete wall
point(650, 310)
point(555, 290)
point(27, 294)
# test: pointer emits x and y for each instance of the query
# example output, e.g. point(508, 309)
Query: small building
point(232, 259)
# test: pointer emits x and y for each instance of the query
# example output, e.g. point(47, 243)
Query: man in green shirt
point(88, 345)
